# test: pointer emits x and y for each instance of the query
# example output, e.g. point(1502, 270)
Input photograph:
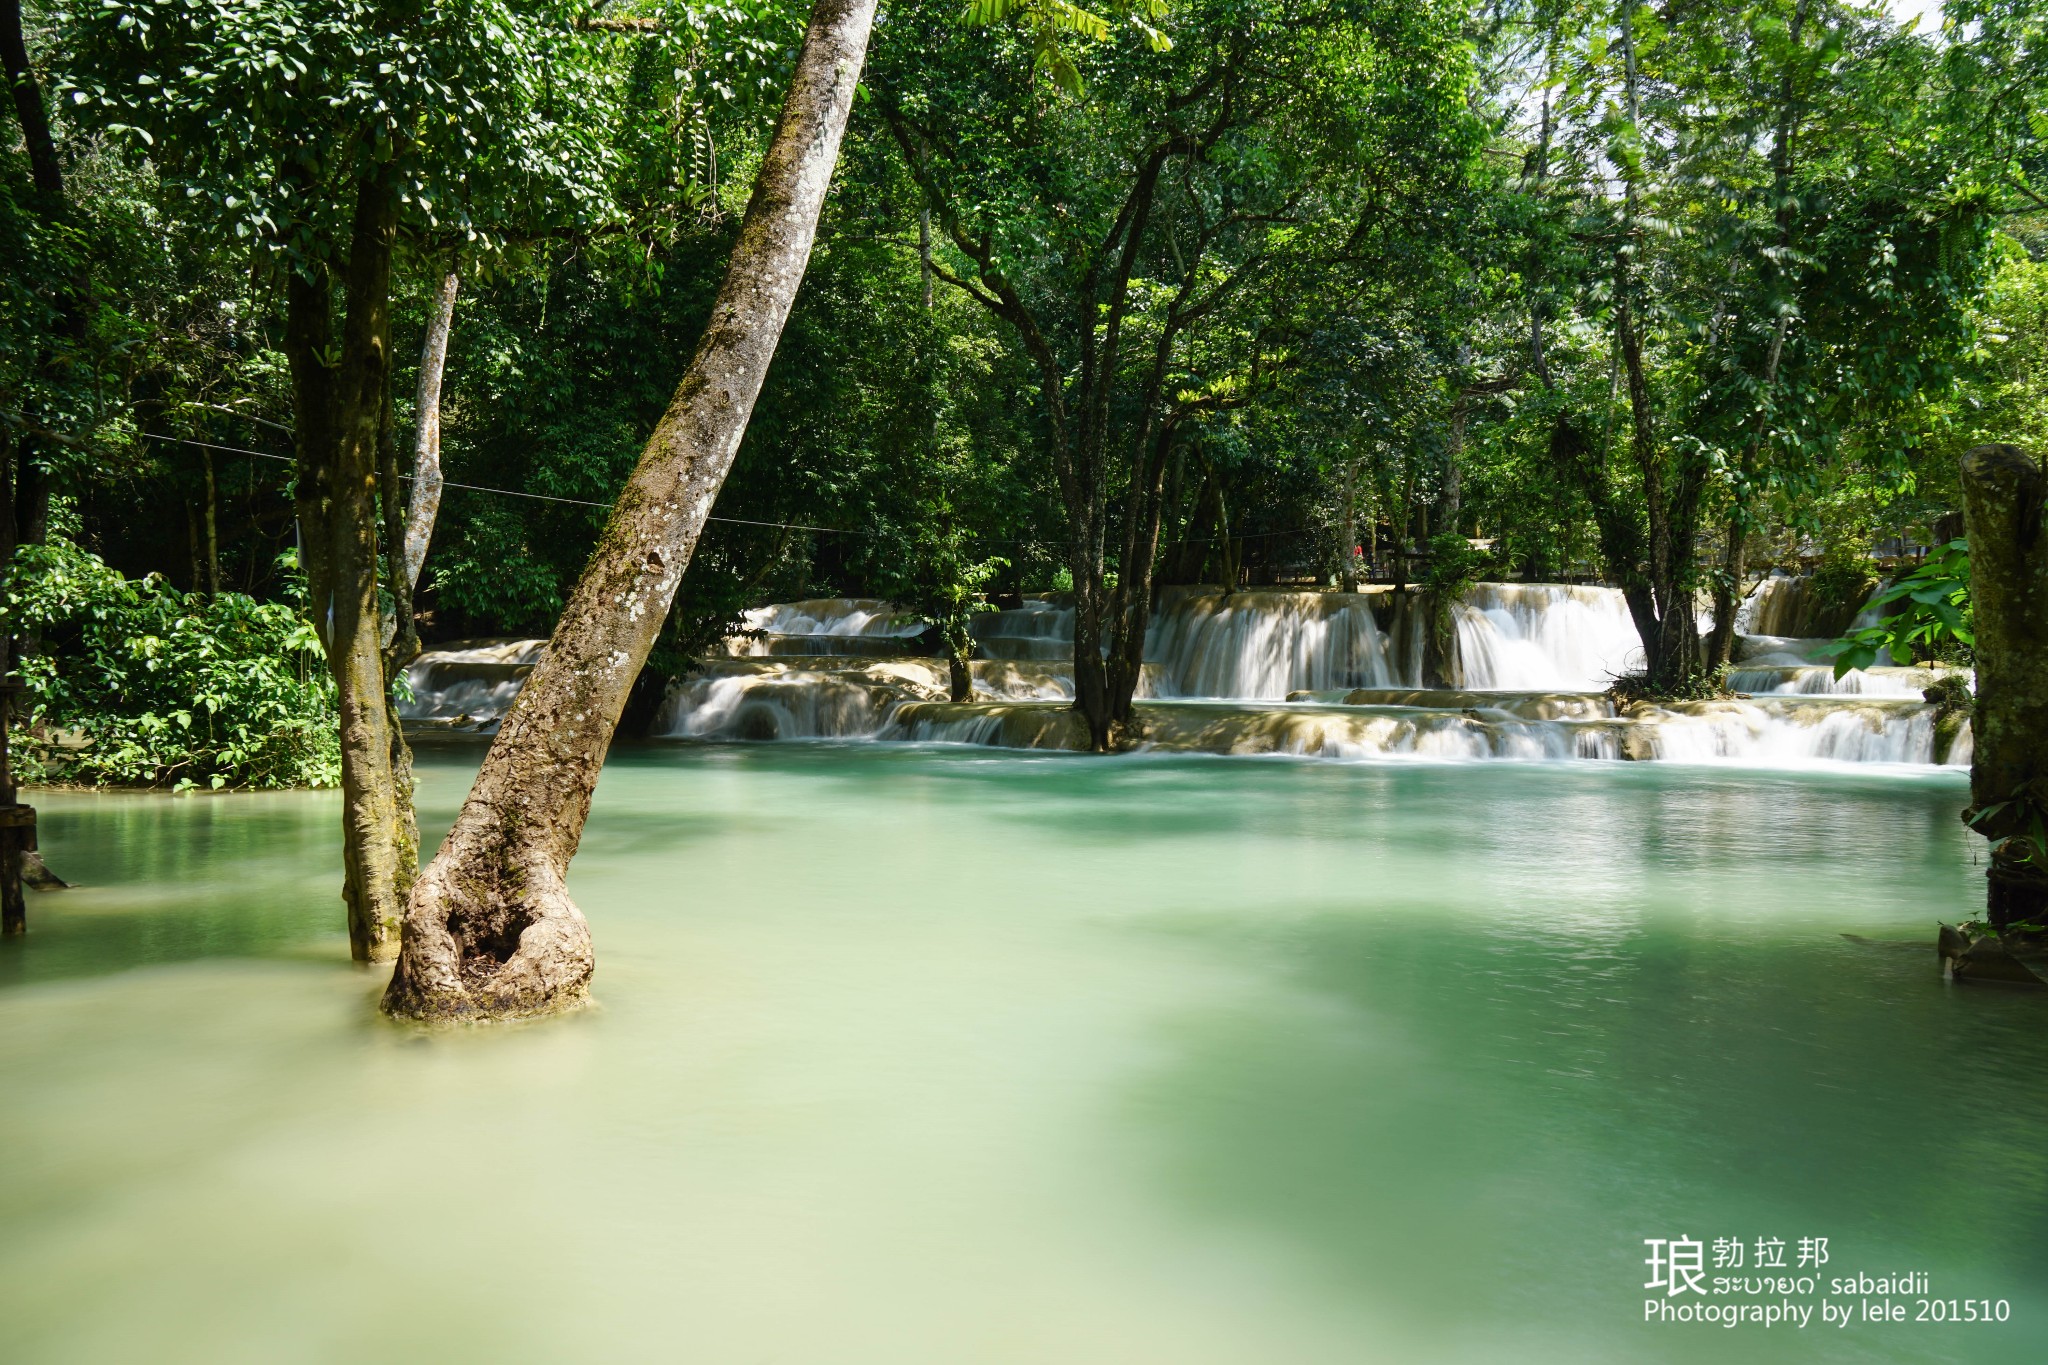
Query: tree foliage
point(140, 683)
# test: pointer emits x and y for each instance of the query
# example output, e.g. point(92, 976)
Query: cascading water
point(799, 704)
point(1533, 660)
point(1780, 604)
point(830, 626)
point(1756, 678)
point(1544, 637)
point(1264, 645)
point(1358, 732)
point(1780, 730)
point(828, 698)
point(1042, 628)
point(470, 684)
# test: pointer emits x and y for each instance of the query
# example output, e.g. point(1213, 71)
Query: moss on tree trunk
point(2003, 491)
point(338, 400)
point(490, 930)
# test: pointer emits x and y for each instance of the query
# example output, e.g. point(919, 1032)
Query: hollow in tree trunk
point(490, 930)
point(2003, 492)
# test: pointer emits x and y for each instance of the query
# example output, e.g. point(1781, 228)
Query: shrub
point(134, 682)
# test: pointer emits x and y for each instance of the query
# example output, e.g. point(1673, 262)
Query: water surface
point(911, 1055)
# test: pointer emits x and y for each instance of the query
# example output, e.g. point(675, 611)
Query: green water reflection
point(935, 1056)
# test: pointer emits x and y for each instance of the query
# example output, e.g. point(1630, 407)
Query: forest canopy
point(1231, 291)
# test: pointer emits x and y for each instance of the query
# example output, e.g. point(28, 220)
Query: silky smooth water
point(909, 1055)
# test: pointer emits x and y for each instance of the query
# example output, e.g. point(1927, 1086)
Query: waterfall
point(1774, 679)
point(1781, 604)
point(1264, 645)
point(831, 626)
point(1963, 750)
point(1533, 659)
point(1371, 733)
point(472, 683)
point(1544, 637)
point(1015, 725)
point(1783, 615)
point(799, 704)
point(1518, 705)
point(1043, 628)
point(827, 698)
point(1780, 730)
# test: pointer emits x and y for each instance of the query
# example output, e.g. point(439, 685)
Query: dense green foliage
point(1925, 615)
point(137, 682)
point(1217, 290)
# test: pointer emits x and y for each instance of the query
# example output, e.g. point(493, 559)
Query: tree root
point(36, 873)
point(482, 952)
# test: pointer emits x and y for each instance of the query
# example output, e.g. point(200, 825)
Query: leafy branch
point(1935, 610)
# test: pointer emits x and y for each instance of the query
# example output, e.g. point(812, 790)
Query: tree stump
point(2003, 494)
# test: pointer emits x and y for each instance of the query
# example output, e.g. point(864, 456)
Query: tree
point(490, 930)
point(320, 131)
point(1764, 224)
point(2003, 496)
point(1116, 234)
point(941, 581)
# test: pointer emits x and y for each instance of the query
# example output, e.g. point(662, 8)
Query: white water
point(799, 704)
point(471, 684)
point(1043, 628)
point(1789, 679)
point(839, 699)
point(1264, 645)
point(825, 626)
point(1264, 673)
point(1790, 731)
point(1544, 637)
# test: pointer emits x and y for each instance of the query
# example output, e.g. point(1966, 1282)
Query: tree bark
point(426, 451)
point(1454, 460)
point(2003, 493)
point(1145, 506)
point(212, 520)
point(403, 645)
point(1347, 556)
point(44, 169)
point(338, 413)
point(959, 674)
point(490, 931)
point(1728, 584)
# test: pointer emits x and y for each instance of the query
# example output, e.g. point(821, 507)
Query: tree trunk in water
point(338, 412)
point(959, 675)
point(426, 450)
point(490, 931)
point(1091, 671)
point(2003, 491)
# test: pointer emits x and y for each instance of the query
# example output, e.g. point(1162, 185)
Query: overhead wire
point(606, 507)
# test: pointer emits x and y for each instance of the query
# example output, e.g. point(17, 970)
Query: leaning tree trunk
point(491, 931)
point(2003, 491)
point(338, 392)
